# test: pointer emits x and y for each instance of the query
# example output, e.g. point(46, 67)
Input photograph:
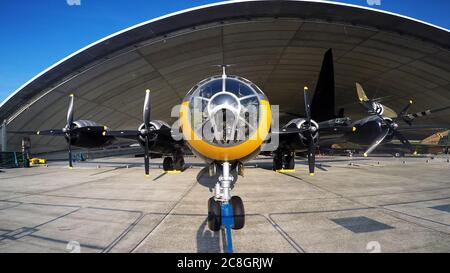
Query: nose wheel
point(216, 217)
point(238, 212)
point(214, 214)
point(225, 211)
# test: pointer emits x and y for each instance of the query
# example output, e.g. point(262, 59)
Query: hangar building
point(276, 44)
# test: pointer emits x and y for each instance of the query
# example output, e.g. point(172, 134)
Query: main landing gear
point(284, 162)
point(175, 164)
point(225, 211)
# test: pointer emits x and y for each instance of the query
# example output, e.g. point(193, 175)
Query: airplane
point(224, 120)
point(435, 144)
point(78, 133)
point(382, 124)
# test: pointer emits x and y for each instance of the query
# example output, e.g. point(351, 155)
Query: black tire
point(277, 163)
point(214, 214)
point(168, 164)
point(179, 163)
point(291, 162)
point(238, 211)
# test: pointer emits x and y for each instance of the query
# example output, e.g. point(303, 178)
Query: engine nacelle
point(154, 125)
point(369, 129)
point(88, 134)
point(300, 123)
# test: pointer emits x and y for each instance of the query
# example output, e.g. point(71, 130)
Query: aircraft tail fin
point(323, 102)
point(341, 113)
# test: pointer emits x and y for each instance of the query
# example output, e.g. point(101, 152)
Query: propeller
point(309, 134)
point(146, 132)
point(71, 130)
point(377, 142)
point(391, 127)
point(68, 130)
point(403, 113)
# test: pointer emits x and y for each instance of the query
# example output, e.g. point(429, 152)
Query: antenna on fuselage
point(224, 74)
point(224, 68)
point(224, 71)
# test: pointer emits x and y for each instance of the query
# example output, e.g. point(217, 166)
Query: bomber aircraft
point(383, 124)
point(227, 120)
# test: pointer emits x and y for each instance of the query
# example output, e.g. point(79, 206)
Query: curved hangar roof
point(277, 44)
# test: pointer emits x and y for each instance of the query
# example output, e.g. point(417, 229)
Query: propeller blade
point(146, 156)
point(70, 113)
point(361, 94)
point(388, 112)
point(405, 109)
point(405, 141)
point(376, 143)
point(307, 104)
point(371, 106)
point(70, 152)
point(146, 113)
point(311, 155)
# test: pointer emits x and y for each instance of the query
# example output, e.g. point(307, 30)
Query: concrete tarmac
point(374, 204)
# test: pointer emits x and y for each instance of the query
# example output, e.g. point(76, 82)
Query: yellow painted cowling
point(225, 118)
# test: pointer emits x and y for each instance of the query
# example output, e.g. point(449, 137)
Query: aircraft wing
point(431, 127)
point(51, 132)
point(127, 134)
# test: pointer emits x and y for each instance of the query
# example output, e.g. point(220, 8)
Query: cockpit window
point(224, 117)
point(210, 88)
point(239, 88)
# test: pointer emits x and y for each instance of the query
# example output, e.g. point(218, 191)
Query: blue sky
point(36, 34)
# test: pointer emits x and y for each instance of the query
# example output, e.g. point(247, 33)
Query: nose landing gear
point(225, 211)
point(215, 216)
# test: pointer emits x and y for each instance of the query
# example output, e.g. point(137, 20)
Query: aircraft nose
point(223, 101)
point(225, 123)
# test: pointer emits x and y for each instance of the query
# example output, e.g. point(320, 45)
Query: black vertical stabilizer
point(323, 102)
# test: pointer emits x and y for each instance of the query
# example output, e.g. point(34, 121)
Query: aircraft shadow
point(209, 182)
point(208, 241)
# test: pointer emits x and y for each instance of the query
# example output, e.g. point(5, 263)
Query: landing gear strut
point(223, 197)
point(284, 161)
point(225, 211)
point(173, 164)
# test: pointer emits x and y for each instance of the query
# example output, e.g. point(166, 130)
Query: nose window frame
point(245, 95)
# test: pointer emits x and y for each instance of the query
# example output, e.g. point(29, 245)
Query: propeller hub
point(395, 126)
